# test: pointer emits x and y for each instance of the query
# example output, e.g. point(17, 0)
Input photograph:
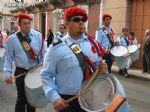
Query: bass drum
point(34, 89)
point(134, 52)
point(121, 56)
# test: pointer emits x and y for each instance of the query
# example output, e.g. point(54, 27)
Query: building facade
point(133, 14)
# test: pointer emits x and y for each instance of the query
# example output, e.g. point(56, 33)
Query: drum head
point(119, 51)
point(33, 80)
point(132, 48)
point(99, 94)
point(2, 52)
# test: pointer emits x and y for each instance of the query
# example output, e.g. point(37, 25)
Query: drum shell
point(122, 62)
point(36, 97)
point(35, 94)
point(135, 55)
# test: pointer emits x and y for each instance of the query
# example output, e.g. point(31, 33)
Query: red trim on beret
point(106, 15)
point(24, 16)
point(75, 11)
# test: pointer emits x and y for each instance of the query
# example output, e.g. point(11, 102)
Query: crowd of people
point(71, 58)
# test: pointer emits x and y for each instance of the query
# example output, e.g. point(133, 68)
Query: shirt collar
point(30, 33)
point(70, 40)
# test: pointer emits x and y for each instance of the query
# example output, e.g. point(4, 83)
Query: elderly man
point(146, 52)
point(25, 49)
point(65, 63)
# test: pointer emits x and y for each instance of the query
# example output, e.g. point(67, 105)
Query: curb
point(134, 72)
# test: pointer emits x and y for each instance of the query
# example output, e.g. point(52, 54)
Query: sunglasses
point(77, 19)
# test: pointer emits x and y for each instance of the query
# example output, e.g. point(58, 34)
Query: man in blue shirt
point(105, 37)
point(123, 40)
point(61, 33)
point(63, 71)
point(25, 49)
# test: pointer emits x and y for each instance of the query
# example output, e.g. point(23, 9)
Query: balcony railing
point(56, 1)
point(88, 1)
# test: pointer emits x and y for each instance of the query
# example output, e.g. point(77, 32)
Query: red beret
point(106, 15)
point(24, 16)
point(74, 11)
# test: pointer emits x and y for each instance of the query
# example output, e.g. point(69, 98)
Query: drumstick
point(85, 88)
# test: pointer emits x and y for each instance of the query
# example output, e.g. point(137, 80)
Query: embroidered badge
point(25, 46)
point(76, 49)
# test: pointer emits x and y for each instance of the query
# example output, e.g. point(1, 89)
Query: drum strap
point(85, 63)
point(99, 49)
point(28, 40)
point(108, 36)
point(127, 42)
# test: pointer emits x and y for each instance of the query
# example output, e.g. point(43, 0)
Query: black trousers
point(109, 61)
point(21, 103)
point(74, 106)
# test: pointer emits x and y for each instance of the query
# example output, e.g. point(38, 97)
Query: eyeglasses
point(77, 19)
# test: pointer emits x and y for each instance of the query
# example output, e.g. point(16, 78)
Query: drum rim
point(134, 50)
point(119, 46)
point(29, 74)
point(111, 77)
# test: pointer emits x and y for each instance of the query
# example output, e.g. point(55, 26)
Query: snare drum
point(134, 52)
point(34, 89)
point(100, 93)
point(119, 52)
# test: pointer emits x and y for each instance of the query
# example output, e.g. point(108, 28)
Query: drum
point(132, 48)
point(121, 56)
point(34, 90)
point(119, 51)
point(2, 52)
point(134, 52)
point(101, 93)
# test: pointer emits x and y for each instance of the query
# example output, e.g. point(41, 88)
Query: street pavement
point(137, 91)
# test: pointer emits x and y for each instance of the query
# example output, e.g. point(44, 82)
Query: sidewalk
point(133, 72)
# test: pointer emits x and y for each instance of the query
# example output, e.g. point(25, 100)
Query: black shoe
point(126, 75)
point(120, 72)
point(144, 71)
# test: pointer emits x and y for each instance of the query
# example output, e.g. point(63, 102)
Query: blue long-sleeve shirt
point(61, 64)
point(102, 38)
point(15, 52)
point(122, 41)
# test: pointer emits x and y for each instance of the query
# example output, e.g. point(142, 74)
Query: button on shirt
point(102, 38)
point(61, 63)
point(15, 52)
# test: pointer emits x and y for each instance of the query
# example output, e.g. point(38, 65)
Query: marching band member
point(2, 44)
point(62, 31)
point(124, 41)
point(67, 61)
point(25, 49)
point(133, 40)
point(105, 37)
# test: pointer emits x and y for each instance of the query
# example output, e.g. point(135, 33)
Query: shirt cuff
point(53, 95)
